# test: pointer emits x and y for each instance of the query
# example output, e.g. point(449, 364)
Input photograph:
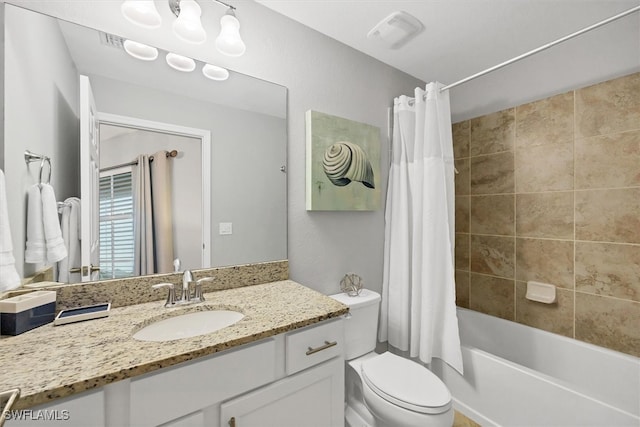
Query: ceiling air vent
point(111, 40)
point(396, 30)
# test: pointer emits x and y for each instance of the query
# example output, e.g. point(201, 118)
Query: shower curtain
point(418, 305)
point(153, 218)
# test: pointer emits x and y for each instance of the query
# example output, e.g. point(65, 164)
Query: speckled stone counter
point(53, 362)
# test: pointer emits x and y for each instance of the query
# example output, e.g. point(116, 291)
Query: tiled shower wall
point(550, 191)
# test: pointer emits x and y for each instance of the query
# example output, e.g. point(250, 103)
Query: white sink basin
point(188, 325)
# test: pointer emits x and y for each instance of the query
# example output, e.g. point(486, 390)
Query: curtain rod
point(172, 153)
point(541, 48)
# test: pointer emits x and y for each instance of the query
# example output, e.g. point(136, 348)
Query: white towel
point(9, 277)
point(56, 250)
point(35, 252)
point(71, 235)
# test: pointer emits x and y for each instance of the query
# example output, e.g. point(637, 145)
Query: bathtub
point(515, 375)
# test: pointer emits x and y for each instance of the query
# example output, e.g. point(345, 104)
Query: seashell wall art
point(343, 164)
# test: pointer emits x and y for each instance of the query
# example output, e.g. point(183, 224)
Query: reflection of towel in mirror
point(36, 246)
point(9, 277)
point(44, 238)
point(70, 225)
point(56, 250)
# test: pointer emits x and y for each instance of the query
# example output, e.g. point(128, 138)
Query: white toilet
point(385, 390)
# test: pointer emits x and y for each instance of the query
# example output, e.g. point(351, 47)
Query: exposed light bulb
point(188, 27)
point(214, 72)
point(180, 63)
point(142, 13)
point(140, 51)
point(229, 41)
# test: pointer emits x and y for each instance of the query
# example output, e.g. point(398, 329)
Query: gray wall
point(49, 90)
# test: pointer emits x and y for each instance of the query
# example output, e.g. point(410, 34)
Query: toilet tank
point(361, 325)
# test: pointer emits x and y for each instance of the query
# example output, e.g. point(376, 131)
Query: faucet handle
point(198, 295)
point(171, 297)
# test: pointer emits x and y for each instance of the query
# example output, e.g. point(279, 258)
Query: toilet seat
point(406, 384)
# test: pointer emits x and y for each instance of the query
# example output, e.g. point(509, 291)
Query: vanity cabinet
point(83, 410)
point(292, 379)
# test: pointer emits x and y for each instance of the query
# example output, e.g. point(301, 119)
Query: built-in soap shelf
point(541, 292)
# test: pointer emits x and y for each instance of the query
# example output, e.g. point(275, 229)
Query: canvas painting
point(343, 164)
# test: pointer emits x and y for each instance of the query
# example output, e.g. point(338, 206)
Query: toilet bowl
point(386, 390)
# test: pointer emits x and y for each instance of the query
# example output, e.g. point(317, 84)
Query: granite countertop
point(53, 362)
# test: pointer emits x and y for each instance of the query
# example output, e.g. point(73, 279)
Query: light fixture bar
point(225, 4)
point(174, 5)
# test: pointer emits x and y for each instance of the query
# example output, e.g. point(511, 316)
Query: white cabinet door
point(83, 410)
point(312, 398)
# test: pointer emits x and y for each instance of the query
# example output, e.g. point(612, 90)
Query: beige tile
point(608, 161)
point(544, 168)
point(462, 177)
point(546, 261)
point(548, 215)
point(462, 288)
point(493, 133)
point(608, 322)
point(492, 295)
point(492, 174)
point(462, 213)
point(608, 215)
point(556, 317)
point(608, 269)
point(609, 107)
point(462, 251)
point(493, 255)
point(492, 215)
point(460, 132)
point(547, 121)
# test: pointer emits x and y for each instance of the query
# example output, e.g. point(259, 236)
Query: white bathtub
point(515, 375)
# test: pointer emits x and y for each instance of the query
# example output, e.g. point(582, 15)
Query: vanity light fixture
point(180, 63)
point(214, 72)
point(229, 41)
point(188, 27)
point(140, 51)
point(142, 13)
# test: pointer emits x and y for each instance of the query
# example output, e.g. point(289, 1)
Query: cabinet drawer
point(314, 344)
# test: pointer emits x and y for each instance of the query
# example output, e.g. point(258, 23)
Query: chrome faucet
point(186, 297)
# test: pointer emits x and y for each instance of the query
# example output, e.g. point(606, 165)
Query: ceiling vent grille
point(116, 42)
point(396, 30)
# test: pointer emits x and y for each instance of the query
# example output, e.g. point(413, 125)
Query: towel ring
point(33, 157)
point(42, 167)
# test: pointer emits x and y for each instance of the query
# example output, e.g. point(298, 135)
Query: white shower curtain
point(418, 310)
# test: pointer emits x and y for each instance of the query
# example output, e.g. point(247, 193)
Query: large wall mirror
point(224, 143)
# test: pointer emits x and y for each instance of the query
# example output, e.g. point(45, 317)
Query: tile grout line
point(515, 216)
point(575, 118)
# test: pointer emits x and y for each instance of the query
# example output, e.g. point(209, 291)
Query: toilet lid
point(406, 383)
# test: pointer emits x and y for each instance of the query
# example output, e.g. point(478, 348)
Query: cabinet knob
point(232, 422)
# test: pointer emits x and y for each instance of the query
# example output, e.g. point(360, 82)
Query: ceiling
point(463, 37)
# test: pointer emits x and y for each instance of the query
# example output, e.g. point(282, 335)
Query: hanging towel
point(56, 250)
point(9, 277)
point(70, 226)
point(35, 252)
